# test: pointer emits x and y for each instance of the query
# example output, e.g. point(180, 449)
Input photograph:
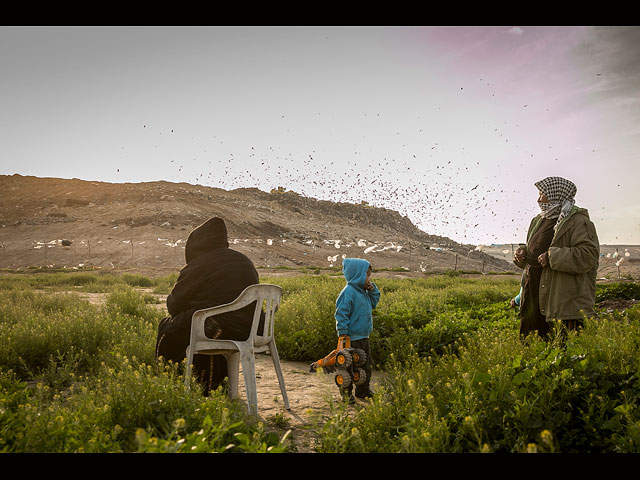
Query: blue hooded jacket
point(354, 304)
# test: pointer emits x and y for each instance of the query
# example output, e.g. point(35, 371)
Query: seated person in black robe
point(214, 275)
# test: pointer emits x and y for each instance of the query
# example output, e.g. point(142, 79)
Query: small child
point(354, 316)
point(515, 302)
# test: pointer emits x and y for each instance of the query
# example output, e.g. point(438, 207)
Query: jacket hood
point(355, 271)
point(575, 210)
point(210, 235)
point(580, 211)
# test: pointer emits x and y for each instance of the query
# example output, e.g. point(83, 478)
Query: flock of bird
point(440, 187)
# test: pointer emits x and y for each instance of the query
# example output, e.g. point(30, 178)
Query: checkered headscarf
point(560, 193)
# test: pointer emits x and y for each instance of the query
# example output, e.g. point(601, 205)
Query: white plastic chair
point(236, 351)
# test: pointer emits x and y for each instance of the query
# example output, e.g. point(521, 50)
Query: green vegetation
point(77, 377)
point(621, 290)
point(81, 377)
point(84, 281)
point(413, 314)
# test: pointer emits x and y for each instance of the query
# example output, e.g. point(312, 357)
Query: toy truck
point(345, 362)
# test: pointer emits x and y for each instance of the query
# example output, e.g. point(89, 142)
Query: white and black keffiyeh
point(560, 193)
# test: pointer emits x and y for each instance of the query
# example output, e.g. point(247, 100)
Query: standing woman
point(560, 261)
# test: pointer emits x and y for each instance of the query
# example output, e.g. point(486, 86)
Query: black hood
point(210, 235)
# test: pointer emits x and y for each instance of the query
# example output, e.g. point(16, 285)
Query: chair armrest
point(210, 311)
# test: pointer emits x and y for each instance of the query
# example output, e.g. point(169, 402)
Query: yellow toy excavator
point(345, 361)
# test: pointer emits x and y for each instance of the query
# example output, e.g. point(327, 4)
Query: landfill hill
point(72, 223)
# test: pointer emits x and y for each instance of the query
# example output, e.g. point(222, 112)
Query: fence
point(168, 252)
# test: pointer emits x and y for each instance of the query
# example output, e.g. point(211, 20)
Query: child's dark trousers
point(364, 389)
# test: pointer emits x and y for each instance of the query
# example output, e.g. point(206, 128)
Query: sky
point(450, 126)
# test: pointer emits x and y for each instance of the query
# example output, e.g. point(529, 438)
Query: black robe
point(214, 275)
point(531, 319)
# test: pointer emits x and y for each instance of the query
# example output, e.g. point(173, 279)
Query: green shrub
point(428, 313)
point(495, 393)
point(38, 331)
point(81, 377)
point(623, 290)
point(305, 325)
point(77, 377)
point(128, 408)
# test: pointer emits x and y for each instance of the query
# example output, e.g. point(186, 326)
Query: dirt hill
point(143, 227)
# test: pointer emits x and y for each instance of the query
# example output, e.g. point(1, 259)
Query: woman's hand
point(519, 257)
point(544, 259)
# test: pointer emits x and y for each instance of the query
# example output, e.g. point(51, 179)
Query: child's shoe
point(366, 394)
point(348, 397)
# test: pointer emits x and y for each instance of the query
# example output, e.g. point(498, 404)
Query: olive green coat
point(568, 283)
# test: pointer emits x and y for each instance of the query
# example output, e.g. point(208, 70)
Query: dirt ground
point(309, 396)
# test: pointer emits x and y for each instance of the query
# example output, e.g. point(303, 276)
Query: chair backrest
point(268, 296)
point(263, 294)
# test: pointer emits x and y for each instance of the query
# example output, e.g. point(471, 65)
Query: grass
point(424, 313)
point(78, 377)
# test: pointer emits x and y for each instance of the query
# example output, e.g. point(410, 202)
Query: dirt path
point(309, 396)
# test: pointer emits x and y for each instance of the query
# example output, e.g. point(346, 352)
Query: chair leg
point(233, 367)
point(276, 364)
point(249, 374)
point(187, 374)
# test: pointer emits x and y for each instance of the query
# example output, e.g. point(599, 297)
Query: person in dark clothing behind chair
point(560, 261)
point(214, 275)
